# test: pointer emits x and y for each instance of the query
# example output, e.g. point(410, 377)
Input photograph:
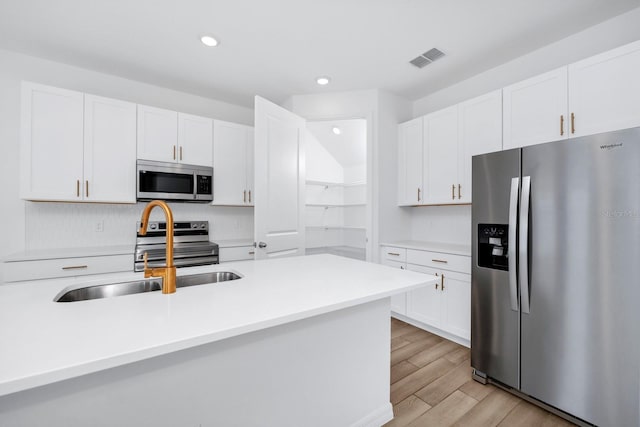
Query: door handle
point(523, 249)
point(511, 251)
point(262, 245)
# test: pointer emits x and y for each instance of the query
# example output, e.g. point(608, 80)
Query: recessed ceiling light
point(336, 130)
point(323, 80)
point(209, 41)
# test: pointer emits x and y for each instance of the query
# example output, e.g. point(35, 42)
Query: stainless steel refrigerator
point(556, 274)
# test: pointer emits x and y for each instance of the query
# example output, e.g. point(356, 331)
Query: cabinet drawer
point(238, 253)
point(66, 267)
point(393, 253)
point(440, 260)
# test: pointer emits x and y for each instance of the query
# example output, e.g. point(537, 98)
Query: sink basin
point(139, 286)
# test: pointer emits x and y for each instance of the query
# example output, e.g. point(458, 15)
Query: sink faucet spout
point(168, 273)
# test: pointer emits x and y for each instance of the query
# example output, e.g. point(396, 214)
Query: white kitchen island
point(296, 341)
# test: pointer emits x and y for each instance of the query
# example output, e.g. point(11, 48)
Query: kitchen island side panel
point(331, 369)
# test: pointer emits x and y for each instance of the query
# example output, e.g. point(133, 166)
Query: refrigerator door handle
point(513, 232)
point(523, 256)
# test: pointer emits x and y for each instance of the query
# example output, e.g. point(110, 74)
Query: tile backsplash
point(72, 225)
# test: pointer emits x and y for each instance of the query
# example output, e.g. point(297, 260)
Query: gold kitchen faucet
point(168, 273)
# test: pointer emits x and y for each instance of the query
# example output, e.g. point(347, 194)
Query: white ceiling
point(276, 48)
point(350, 147)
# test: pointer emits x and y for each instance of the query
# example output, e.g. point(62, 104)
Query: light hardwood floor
point(431, 385)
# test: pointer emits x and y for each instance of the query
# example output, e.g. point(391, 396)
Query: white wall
point(383, 112)
point(320, 164)
point(29, 225)
point(453, 223)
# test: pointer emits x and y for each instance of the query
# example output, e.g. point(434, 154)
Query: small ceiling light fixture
point(209, 41)
point(336, 130)
point(323, 80)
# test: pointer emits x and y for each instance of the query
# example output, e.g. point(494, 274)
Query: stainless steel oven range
point(191, 245)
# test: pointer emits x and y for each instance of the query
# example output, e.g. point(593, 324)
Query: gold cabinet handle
point(174, 152)
point(181, 153)
point(459, 188)
point(442, 282)
point(573, 123)
point(440, 260)
point(86, 188)
point(393, 253)
point(453, 192)
point(77, 188)
point(249, 196)
point(436, 282)
point(418, 193)
point(244, 196)
point(75, 267)
point(251, 252)
point(561, 124)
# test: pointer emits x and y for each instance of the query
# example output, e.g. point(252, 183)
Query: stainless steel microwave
point(174, 181)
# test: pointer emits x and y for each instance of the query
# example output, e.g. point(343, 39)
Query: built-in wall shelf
point(339, 205)
point(345, 251)
point(335, 227)
point(328, 184)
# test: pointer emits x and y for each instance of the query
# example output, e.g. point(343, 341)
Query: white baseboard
point(377, 418)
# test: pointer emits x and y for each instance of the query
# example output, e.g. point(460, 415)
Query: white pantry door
point(279, 181)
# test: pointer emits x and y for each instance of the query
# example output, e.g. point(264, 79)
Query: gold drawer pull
point(75, 267)
point(440, 260)
point(393, 253)
point(251, 252)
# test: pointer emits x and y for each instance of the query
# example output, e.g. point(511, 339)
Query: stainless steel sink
point(140, 286)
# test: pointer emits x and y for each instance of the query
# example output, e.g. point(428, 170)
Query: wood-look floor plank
point(526, 414)
point(401, 370)
point(447, 412)
point(476, 390)
point(431, 353)
point(420, 335)
point(411, 349)
point(458, 355)
point(408, 385)
point(490, 411)
point(436, 391)
point(406, 411)
point(398, 342)
point(398, 331)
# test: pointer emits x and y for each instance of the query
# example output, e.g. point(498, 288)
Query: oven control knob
point(203, 226)
point(194, 225)
point(152, 226)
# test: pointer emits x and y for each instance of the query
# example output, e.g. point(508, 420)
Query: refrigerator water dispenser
point(493, 246)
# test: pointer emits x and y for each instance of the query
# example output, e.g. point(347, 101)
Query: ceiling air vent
point(427, 58)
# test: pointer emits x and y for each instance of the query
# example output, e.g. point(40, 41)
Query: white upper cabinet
point(157, 134)
point(109, 150)
point(535, 110)
point(604, 91)
point(76, 147)
point(232, 164)
point(480, 132)
point(441, 156)
point(51, 143)
point(195, 140)
point(410, 158)
point(169, 136)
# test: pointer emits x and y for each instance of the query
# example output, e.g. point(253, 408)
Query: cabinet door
point(535, 110)
point(249, 166)
point(229, 163)
point(441, 156)
point(456, 309)
point(604, 91)
point(424, 304)
point(398, 301)
point(410, 190)
point(109, 150)
point(157, 134)
point(195, 140)
point(51, 143)
point(480, 132)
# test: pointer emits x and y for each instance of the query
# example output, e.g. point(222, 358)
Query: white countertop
point(44, 341)
point(448, 248)
point(40, 254)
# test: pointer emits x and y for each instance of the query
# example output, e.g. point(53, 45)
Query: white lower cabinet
point(236, 253)
point(396, 257)
point(443, 308)
point(17, 271)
